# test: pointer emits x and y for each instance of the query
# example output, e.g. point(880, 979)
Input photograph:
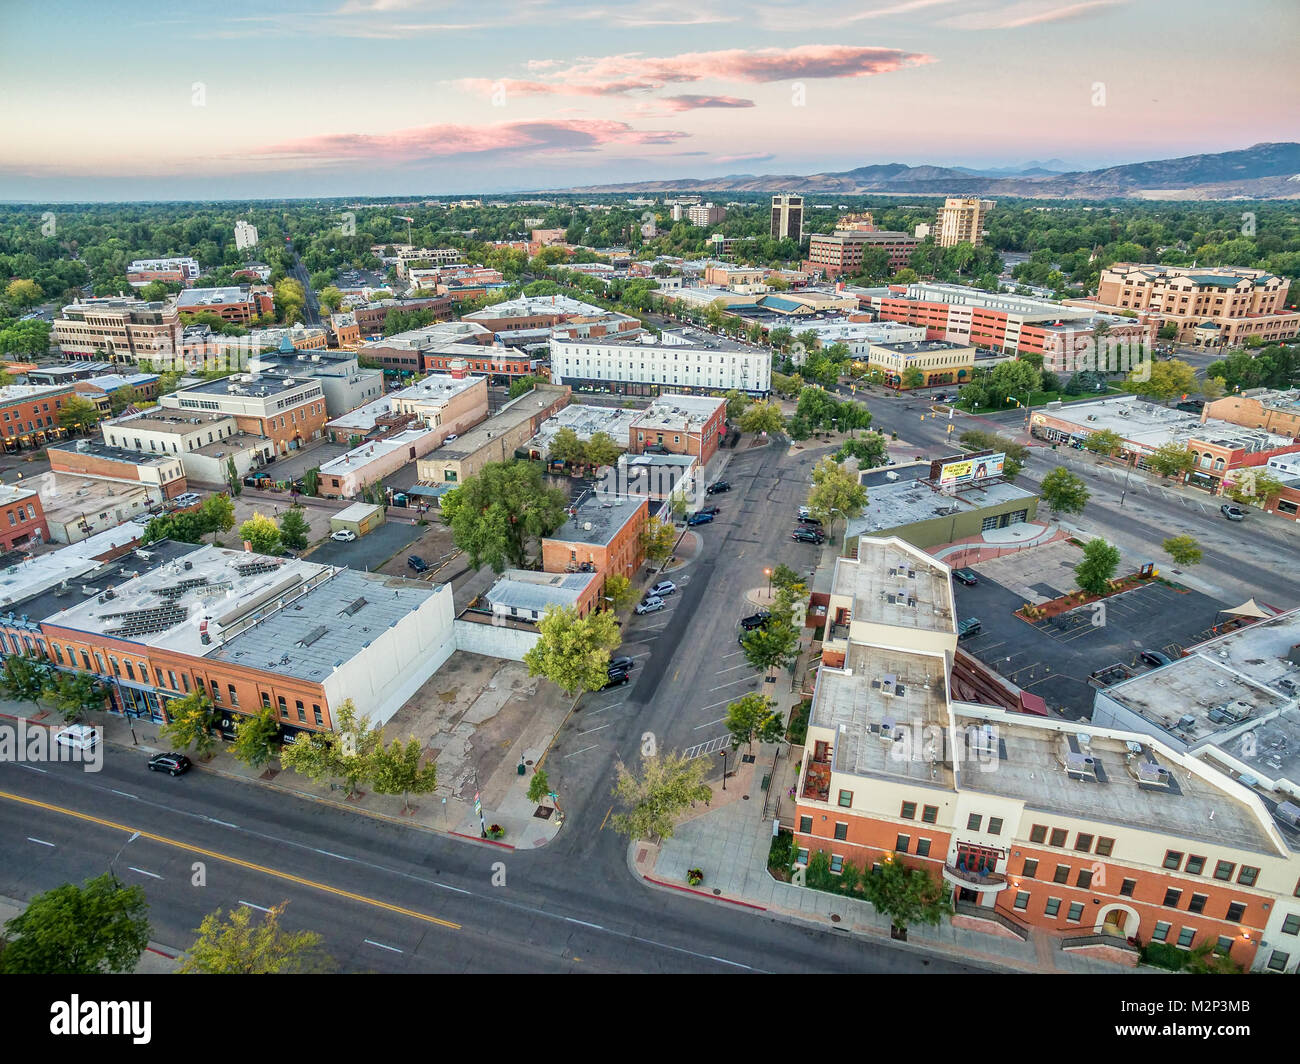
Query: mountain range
point(1263, 171)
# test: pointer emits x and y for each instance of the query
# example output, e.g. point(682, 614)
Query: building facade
point(961, 220)
point(24, 517)
point(29, 414)
point(288, 411)
point(679, 424)
point(787, 218)
point(683, 361)
point(238, 304)
point(118, 329)
point(841, 253)
point(182, 271)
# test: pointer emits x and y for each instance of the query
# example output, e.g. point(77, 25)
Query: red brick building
point(29, 414)
point(679, 424)
point(24, 518)
point(239, 304)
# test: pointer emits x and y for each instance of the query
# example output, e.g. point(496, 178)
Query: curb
point(488, 842)
point(702, 894)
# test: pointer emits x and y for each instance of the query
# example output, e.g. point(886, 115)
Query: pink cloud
point(691, 102)
point(443, 141)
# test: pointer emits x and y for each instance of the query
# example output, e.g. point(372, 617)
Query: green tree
point(677, 504)
point(330, 298)
point(1165, 380)
point(657, 539)
point(217, 513)
point(400, 768)
point(619, 592)
point(1105, 442)
point(539, 786)
point(752, 717)
point(294, 530)
point(242, 945)
point(906, 895)
point(1171, 460)
point(120, 398)
point(78, 414)
point(1213, 388)
point(233, 479)
point(652, 801)
point(191, 721)
point(1168, 331)
point(1251, 486)
point(496, 515)
point(602, 450)
point(912, 377)
point(835, 490)
point(776, 644)
point(523, 385)
point(763, 418)
point(74, 694)
point(567, 447)
point(980, 440)
point(261, 533)
point(1094, 572)
point(24, 293)
point(257, 738)
point(98, 928)
point(25, 678)
point(573, 652)
point(1184, 550)
point(311, 480)
point(786, 580)
point(1064, 492)
point(870, 450)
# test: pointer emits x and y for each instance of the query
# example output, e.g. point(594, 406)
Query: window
point(922, 847)
point(1075, 911)
point(1084, 880)
point(801, 857)
point(1277, 961)
point(1058, 837)
point(58, 652)
point(1247, 876)
point(302, 714)
point(1172, 896)
point(908, 812)
point(1290, 926)
point(1197, 904)
point(1127, 887)
point(266, 700)
point(1083, 843)
point(901, 843)
point(995, 825)
point(1022, 900)
point(1236, 910)
point(929, 814)
point(1186, 936)
point(837, 863)
point(284, 707)
point(1161, 931)
point(841, 830)
point(805, 825)
point(1173, 859)
point(1053, 906)
point(234, 698)
point(1223, 870)
point(185, 681)
point(846, 798)
point(1062, 874)
point(1031, 868)
point(1037, 833)
point(974, 821)
point(1195, 866)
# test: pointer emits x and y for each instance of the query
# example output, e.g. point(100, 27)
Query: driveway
point(371, 551)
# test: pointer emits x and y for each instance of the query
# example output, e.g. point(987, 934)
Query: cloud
point(745, 157)
point(692, 102)
point(1028, 13)
point(440, 142)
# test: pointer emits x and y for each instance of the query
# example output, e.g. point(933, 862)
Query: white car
point(343, 535)
point(650, 605)
point(664, 587)
point(78, 737)
point(450, 437)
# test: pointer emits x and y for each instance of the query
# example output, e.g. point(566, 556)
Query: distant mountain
point(1264, 171)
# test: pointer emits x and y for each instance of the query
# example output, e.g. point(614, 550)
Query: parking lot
point(1054, 658)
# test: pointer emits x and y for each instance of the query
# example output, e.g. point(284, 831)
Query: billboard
point(967, 471)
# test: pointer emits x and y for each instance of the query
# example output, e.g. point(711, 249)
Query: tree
point(120, 398)
point(24, 293)
point(785, 579)
point(98, 928)
point(330, 298)
point(737, 403)
point(1251, 486)
point(1016, 453)
point(232, 478)
point(257, 738)
point(906, 275)
point(835, 490)
point(566, 447)
point(602, 450)
point(294, 530)
point(217, 513)
point(1213, 388)
point(238, 945)
point(495, 515)
point(573, 651)
point(677, 504)
point(75, 693)
point(523, 385)
point(24, 678)
point(1168, 331)
point(539, 786)
point(752, 717)
point(1171, 460)
point(619, 592)
point(912, 377)
point(311, 480)
point(190, 722)
point(668, 785)
point(776, 644)
point(763, 418)
point(1064, 492)
point(905, 895)
point(870, 450)
point(261, 533)
point(1094, 572)
point(400, 768)
point(1184, 550)
point(1164, 380)
point(657, 539)
point(1106, 442)
point(78, 414)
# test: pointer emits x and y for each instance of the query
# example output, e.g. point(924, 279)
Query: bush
point(694, 877)
point(1163, 955)
point(797, 731)
point(782, 852)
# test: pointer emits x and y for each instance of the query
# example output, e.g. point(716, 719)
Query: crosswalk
point(710, 747)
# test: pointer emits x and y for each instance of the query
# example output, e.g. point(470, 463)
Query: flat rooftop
point(34, 575)
point(598, 519)
point(892, 584)
point(112, 381)
point(679, 339)
point(675, 412)
point(1032, 764)
point(526, 306)
point(527, 590)
point(364, 417)
point(205, 297)
point(435, 388)
point(1150, 424)
point(360, 457)
point(510, 416)
point(12, 393)
point(12, 492)
point(235, 443)
point(100, 449)
point(921, 347)
point(260, 385)
point(585, 421)
point(160, 419)
point(909, 501)
point(429, 336)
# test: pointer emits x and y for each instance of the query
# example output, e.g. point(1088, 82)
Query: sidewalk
point(995, 542)
point(729, 843)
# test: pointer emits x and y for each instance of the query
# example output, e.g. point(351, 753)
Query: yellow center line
point(214, 855)
point(602, 823)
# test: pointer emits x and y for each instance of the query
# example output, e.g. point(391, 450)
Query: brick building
point(24, 517)
point(602, 536)
point(118, 328)
point(288, 411)
point(238, 304)
point(29, 414)
point(99, 459)
point(842, 252)
point(679, 424)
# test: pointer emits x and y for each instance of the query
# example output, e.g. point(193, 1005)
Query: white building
point(858, 336)
point(682, 361)
point(245, 235)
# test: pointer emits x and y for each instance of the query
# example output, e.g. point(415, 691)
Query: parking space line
point(708, 724)
point(733, 668)
point(602, 709)
point(595, 729)
point(732, 683)
point(577, 752)
point(714, 705)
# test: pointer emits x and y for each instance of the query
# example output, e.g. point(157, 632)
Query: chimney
point(456, 368)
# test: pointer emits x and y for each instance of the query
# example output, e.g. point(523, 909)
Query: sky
point(106, 100)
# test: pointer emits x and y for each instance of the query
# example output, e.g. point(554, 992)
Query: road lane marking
point(577, 752)
point(151, 875)
point(605, 818)
point(239, 862)
point(261, 908)
point(339, 856)
point(41, 842)
point(123, 794)
point(380, 945)
point(223, 823)
point(33, 768)
point(583, 923)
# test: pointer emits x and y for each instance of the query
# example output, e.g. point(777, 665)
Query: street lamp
point(723, 754)
point(768, 574)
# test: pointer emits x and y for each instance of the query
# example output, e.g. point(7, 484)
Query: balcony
point(973, 879)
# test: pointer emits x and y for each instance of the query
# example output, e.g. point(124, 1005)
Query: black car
point(616, 679)
point(717, 486)
point(807, 535)
point(417, 563)
point(172, 764)
point(710, 509)
point(621, 664)
point(966, 576)
point(755, 620)
point(811, 522)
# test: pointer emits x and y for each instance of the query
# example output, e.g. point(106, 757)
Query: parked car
point(710, 509)
point(755, 620)
point(1155, 659)
point(664, 587)
point(451, 436)
point(621, 664)
point(807, 535)
point(417, 563)
point(969, 628)
point(77, 737)
point(811, 522)
point(343, 535)
point(805, 511)
point(172, 764)
point(717, 486)
point(188, 498)
point(650, 605)
point(616, 679)
point(966, 576)
point(700, 518)
point(1232, 513)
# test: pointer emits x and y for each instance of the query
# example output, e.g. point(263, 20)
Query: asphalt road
point(311, 307)
point(388, 898)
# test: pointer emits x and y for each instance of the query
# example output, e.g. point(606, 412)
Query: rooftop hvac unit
point(1288, 814)
point(1150, 772)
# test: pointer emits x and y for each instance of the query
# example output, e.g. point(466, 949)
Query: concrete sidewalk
point(729, 843)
